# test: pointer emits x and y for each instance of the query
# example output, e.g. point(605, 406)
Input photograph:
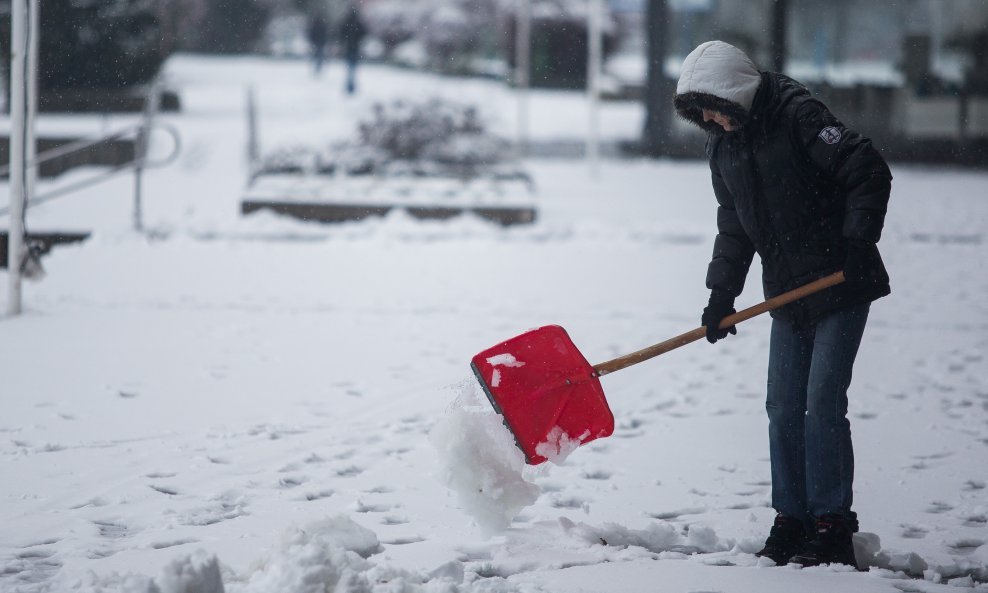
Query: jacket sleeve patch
point(830, 135)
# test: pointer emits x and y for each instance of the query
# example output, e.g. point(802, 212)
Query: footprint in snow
point(223, 508)
point(172, 543)
point(344, 455)
point(972, 485)
point(570, 503)
point(92, 502)
point(362, 507)
point(394, 520)
point(976, 520)
point(671, 515)
point(740, 506)
point(632, 424)
point(663, 406)
point(30, 566)
point(164, 489)
point(109, 529)
point(630, 429)
point(318, 495)
point(597, 475)
point(937, 507)
point(206, 517)
point(965, 546)
point(913, 532)
point(404, 541)
point(292, 481)
point(40, 553)
point(46, 542)
point(274, 432)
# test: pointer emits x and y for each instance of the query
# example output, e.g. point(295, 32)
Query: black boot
point(831, 544)
point(786, 539)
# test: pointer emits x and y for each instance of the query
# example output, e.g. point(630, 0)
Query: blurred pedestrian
point(351, 34)
point(809, 196)
point(318, 35)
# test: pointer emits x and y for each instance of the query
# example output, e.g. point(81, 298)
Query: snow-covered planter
point(434, 158)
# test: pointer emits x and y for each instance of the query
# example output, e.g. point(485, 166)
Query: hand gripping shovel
point(544, 388)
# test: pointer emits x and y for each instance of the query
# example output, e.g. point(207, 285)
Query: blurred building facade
point(912, 74)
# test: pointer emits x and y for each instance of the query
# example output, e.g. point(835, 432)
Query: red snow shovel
point(549, 394)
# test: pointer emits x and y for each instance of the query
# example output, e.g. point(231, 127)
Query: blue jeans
point(809, 371)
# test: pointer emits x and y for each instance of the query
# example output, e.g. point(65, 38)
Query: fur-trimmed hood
point(719, 77)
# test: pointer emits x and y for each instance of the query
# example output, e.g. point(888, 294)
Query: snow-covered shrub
point(289, 159)
point(432, 137)
point(434, 129)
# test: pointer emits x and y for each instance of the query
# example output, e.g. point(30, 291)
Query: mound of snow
point(480, 461)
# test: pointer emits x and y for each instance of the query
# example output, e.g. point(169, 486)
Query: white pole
point(15, 239)
point(31, 85)
point(594, 57)
point(523, 52)
point(253, 148)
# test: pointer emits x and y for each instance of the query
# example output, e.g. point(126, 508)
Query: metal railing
point(142, 160)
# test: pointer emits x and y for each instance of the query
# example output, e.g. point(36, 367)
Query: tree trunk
point(659, 90)
point(780, 10)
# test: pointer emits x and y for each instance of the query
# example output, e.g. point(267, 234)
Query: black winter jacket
point(796, 186)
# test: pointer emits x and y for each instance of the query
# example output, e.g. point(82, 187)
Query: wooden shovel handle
point(681, 340)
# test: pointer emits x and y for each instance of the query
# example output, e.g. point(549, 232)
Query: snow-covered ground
point(254, 403)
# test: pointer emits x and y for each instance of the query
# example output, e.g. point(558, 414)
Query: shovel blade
point(540, 382)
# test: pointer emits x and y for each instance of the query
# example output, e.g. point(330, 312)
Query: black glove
point(721, 305)
point(856, 268)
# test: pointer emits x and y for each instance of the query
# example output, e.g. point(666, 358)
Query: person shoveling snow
point(809, 195)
